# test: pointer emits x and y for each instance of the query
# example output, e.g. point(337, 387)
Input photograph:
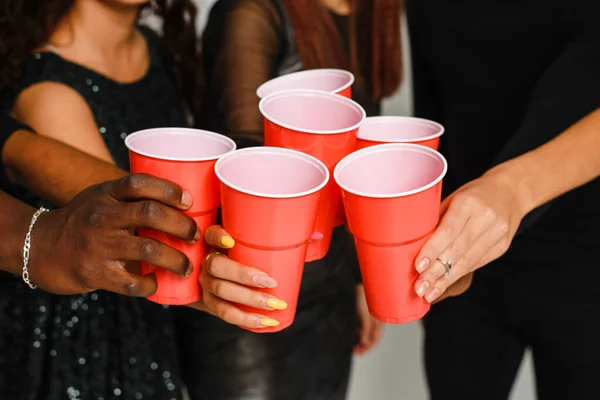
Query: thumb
point(216, 236)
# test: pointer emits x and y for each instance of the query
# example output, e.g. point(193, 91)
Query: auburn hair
point(375, 46)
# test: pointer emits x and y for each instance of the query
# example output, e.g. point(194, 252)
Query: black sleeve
point(8, 126)
point(568, 91)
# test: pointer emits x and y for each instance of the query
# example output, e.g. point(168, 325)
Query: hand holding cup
point(226, 283)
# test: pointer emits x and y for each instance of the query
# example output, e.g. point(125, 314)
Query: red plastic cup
point(380, 130)
point(186, 157)
point(335, 81)
point(392, 195)
point(270, 197)
point(323, 125)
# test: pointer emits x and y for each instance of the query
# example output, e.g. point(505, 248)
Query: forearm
point(14, 220)
point(53, 170)
point(570, 160)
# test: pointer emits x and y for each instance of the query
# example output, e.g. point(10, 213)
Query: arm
point(85, 246)
point(51, 169)
point(567, 91)
point(480, 220)
point(59, 112)
point(14, 222)
point(563, 164)
point(244, 59)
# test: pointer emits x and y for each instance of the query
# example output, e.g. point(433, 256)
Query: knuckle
point(94, 216)
point(470, 203)
point(172, 192)
point(150, 210)
point(451, 228)
point(226, 314)
point(463, 199)
point(502, 227)
point(258, 299)
point(442, 286)
point(133, 288)
point(85, 276)
point(489, 213)
point(217, 288)
point(148, 249)
point(134, 182)
point(211, 265)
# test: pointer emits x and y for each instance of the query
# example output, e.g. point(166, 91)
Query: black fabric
point(505, 77)
point(474, 344)
point(310, 360)
point(99, 345)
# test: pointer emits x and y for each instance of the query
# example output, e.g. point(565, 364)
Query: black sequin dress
point(98, 346)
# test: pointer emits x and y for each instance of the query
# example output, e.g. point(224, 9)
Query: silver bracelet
point(27, 247)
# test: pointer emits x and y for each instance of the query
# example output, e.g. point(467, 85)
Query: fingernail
point(227, 242)
point(433, 294)
point(422, 288)
point(316, 236)
point(276, 304)
point(198, 234)
point(269, 322)
point(422, 264)
point(264, 281)
point(189, 270)
point(187, 199)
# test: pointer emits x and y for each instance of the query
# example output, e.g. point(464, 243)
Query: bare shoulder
point(59, 112)
point(51, 106)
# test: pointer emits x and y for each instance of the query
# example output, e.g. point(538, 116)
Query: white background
point(394, 370)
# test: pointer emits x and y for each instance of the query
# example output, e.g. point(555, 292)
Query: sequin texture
point(98, 346)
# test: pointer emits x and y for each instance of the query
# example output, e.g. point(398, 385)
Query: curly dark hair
point(27, 24)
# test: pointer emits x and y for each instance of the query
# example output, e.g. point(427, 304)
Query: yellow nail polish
point(227, 242)
point(276, 304)
point(269, 322)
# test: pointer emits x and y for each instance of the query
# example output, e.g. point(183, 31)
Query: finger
point(470, 234)
point(457, 288)
point(146, 187)
point(494, 253)
point(365, 340)
point(149, 214)
point(376, 332)
point(233, 315)
point(216, 236)
point(153, 252)
point(451, 225)
point(369, 335)
point(127, 284)
point(465, 265)
point(222, 267)
point(239, 294)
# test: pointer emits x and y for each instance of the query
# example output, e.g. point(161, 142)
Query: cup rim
point(386, 147)
point(331, 96)
point(274, 150)
point(420, 121)
point(298, 74)
point(180, 131)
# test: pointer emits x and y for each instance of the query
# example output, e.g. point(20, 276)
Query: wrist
point(513, 176)
point(12, 262)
